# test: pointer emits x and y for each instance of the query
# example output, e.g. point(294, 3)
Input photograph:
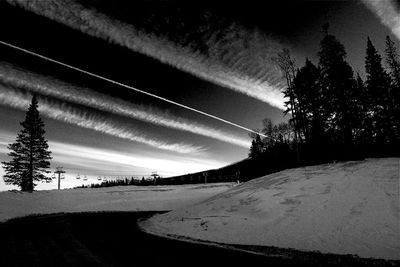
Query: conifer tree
point(309, 98)
point(378, 84)
point(363, 122)
point(337, 84)
point(29, 154)
point(392, 60)
point(257, 146)
point(393, 63)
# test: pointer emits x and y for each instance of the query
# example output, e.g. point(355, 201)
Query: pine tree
point(393, 63)
point(378, 84)
point(308, 96)
point(363, 123)
point(29, 154)
point(337, 84)
point(257, 146)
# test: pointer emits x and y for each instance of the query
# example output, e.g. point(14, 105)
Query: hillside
point(342, 208)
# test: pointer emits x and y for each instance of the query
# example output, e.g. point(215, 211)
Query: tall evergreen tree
point(257, 146)
point(378, 85)
point(29, 154)
point(309, 98)
point(393, 63)
point(363, 131)
point(337, 84)
point(392, 60)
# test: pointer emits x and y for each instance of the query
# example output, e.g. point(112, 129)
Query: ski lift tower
point(59, 171)
point(155, 176)
point(205, 175)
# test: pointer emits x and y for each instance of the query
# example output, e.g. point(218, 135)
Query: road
point(114, 239)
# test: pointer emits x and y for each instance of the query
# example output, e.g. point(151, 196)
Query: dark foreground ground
point(114, 239)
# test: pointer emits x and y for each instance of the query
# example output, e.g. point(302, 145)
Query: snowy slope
point(123, 198)
point(343, 208)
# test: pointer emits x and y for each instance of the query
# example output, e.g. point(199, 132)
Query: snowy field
point(343, 208)
point(122, 198)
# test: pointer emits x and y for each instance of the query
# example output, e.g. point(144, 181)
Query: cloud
point(387, 12)
point(174, 166)
point(63, 112)
point(69, 93)
point(94, 161)
point(237, 58)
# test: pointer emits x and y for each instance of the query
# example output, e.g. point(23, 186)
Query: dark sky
point(214, 56)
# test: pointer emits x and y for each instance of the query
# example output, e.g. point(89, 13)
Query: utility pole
point(155, 176)
point(238, 177)
point(59, 170)
point(205, 175)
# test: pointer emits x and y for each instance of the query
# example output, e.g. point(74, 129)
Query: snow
point(122, 198)
point(343, 208)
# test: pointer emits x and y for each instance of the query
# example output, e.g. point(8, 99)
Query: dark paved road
point(114, 239)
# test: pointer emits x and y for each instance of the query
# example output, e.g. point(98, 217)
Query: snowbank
point(123, 198)
point(343, 208)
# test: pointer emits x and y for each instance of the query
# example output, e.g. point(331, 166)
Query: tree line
point(116, 182)
point(335, 114)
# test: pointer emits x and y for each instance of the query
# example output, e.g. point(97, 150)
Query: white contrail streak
point(128, 87)
point(238, 59)
point(387, 13)
point(67, 114)
point(51, 87)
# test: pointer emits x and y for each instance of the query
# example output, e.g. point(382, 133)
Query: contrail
point(237, 58)
point(129, 87)
point(52, 87)
point(387, 12)
point(67, 114)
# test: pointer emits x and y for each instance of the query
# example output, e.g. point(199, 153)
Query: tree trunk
point(30, 176)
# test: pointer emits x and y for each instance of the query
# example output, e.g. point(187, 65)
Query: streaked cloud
point(238, 58)
point(63, 112)
point(170, 166)
point(96, 161)
point(83, 96)
point(387, 12)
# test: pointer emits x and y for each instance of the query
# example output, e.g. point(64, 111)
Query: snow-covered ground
point(122, 198)
point(343, 208)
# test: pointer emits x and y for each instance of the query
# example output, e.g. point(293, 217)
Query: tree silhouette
point(334, 114)
point(363, 126)
point(257, 146)
point(378, 84)
point(310, 120)
point(337, 84)
point(29, 154)
point(287, 66)
point(393, 62)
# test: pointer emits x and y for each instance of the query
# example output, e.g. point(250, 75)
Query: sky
point(189, 79)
